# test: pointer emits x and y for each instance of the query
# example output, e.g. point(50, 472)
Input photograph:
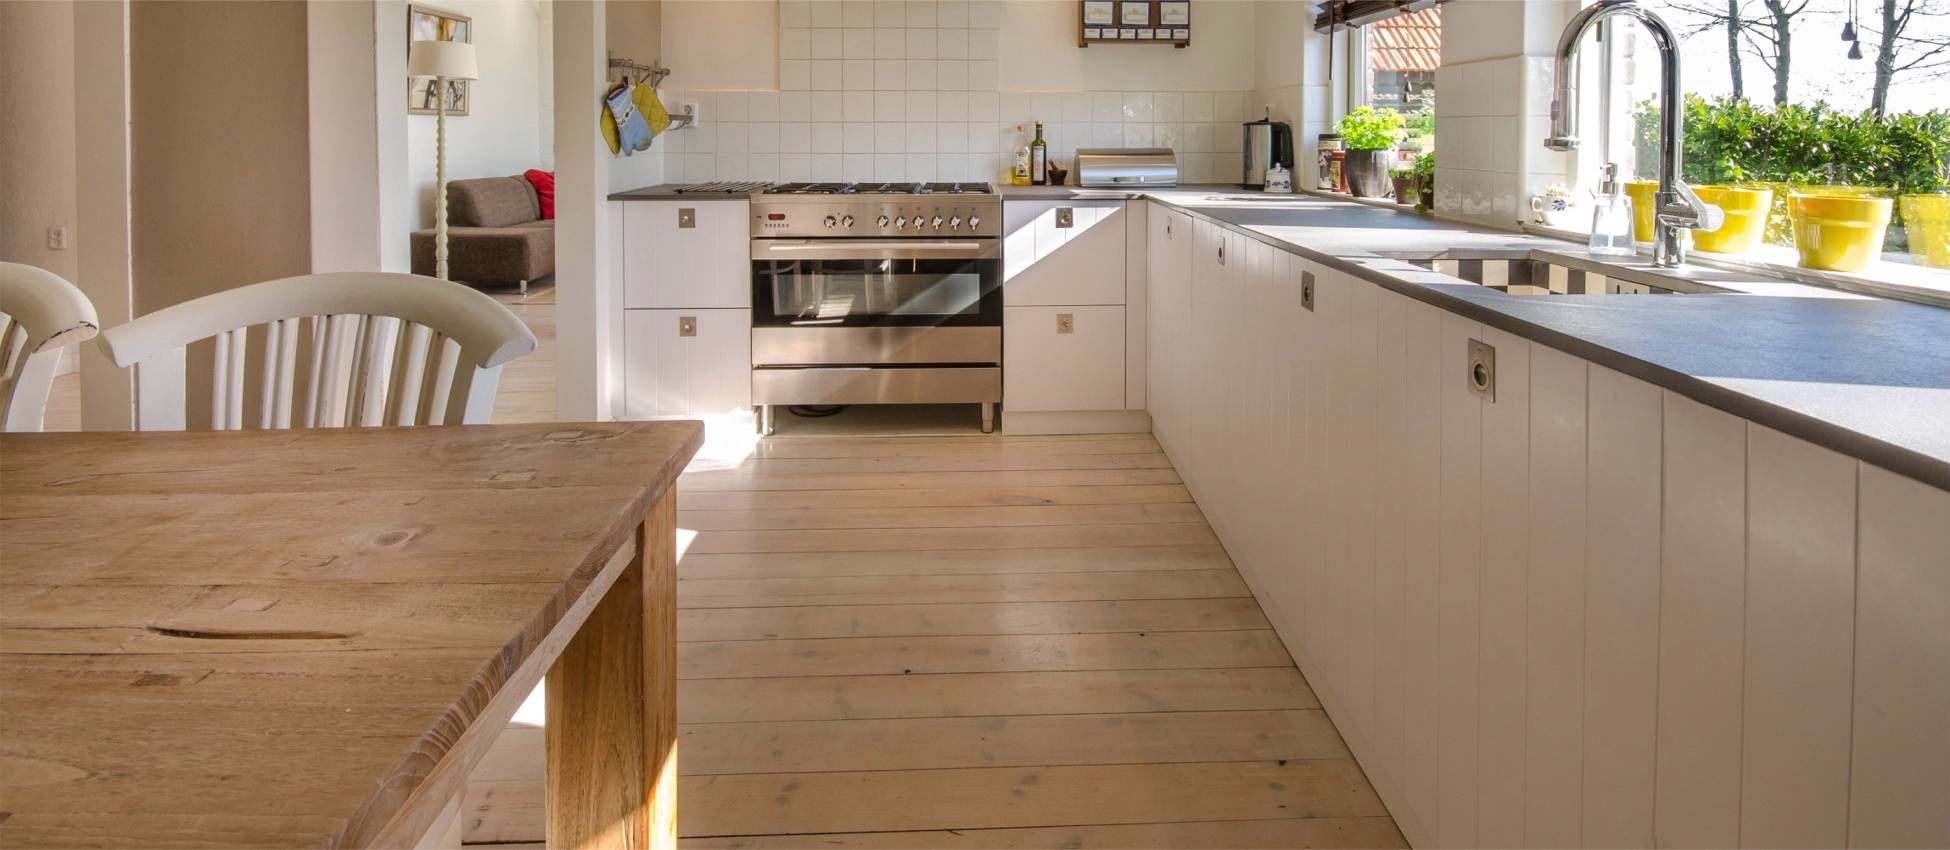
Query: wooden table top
point(268, 638)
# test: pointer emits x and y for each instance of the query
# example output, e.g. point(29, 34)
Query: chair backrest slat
point(345, 349)
point(40, 314)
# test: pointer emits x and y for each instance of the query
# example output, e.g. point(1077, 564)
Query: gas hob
point(877, 210)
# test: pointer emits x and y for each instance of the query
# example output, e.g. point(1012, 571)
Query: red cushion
point(544, 188)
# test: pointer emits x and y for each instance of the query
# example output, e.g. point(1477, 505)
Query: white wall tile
point(857, 137)
point(827, 13)
point(889, 137)
point(983, 75)
point(795, 137)
point(921, 75)
point(859, 74)
point(951, 106)
point(795, 167)
point(1107, 134)
point(856, 106)
point(986, 14)
point(951, 74)
point(983, 44)
point(732, 137)
point(1168, 106)
point(1501, 91)
point(890, 75)
point(890, 106)
point(951, 13)
point(826, 43)
point(795, 43)
point(1106, 106)
point(1138, 107)
point(1229, 106)
point(826, 105)
point(1014, 106)
point(921, 43)
point(795, 106)
point(953, 137)
point(890, 44)
point(763, 166)
point(1198, 137)
point(1169, 136)
point(762, 106)
point(920, 105)
point(795, 74)
point(1198, 106)
point(827, 75)
point(731, 166)
point(795, 13)
point(856, 43)
point(983, 106)
point(920, 13)
point(730, 106)
point(920, 167)
point(856, 166)
point(827, 137)
point(764, 137)
point(1074, 134)
point(1076, 107)
point(921, 136)
point(889, 13)
point(951, 43)
point(1228, 166)
point(857, 13)
point(827, 167)
point(1138, 135)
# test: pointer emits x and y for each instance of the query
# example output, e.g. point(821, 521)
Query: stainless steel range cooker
point(876, 294)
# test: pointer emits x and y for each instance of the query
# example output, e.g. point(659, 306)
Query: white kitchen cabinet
point(687, 254)
point(687, 363)
point(1169, 256)
point(1048, 368)
point(1063, 253)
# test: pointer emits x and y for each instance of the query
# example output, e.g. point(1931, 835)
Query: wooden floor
point(969, 642)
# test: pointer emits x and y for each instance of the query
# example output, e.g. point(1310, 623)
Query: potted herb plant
point(1405, 188)
point(1425, 182)
point(1370, 134)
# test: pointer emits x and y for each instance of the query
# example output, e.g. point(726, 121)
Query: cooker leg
point(767, 425)
point(988, 417)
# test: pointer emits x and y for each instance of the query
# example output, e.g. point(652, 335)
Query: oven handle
point(880, 249)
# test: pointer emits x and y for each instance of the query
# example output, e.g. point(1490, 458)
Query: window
point(1819, 112)
point(1391, 64)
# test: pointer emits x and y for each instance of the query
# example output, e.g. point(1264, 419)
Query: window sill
point(1883, 279)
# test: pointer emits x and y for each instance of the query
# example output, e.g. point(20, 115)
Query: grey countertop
point(1866, 377)
point(668, 192)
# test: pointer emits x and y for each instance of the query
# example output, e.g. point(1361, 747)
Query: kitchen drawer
point(1044, 263)
point(668, 373)
point(1044, 369)
point(686, 254)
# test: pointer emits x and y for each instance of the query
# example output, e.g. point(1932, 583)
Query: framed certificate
point(1175, 13)
point(1098, 13)
point(1144, 35)
point(1127, 34)
point(1143, 21)
point(1181, 34)
point(1134, 13)
point(1092, 32)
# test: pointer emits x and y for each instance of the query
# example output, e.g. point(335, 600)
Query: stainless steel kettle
point(1267, 142)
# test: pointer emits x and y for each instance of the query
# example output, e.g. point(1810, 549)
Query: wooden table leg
point(612, 707)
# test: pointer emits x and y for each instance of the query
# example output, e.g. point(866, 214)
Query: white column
point(345, 190)
point(586, 364)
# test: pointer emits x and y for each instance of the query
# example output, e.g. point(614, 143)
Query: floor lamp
point(443, 61)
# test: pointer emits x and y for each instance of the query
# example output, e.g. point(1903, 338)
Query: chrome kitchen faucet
point(1674, 206)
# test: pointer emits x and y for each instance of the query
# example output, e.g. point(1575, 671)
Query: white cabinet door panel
point(1502, 678)
point(1554, 739)
point(669, 266)
point(667, 374)
point(1702, 590)
point(1900, 781)
point(1047, 265)
point(1621, 646)
point(1459, 618)
point(1046, 370)
point(1800, 632)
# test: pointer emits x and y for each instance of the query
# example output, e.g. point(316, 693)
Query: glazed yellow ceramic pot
point(1927, 218)
point(1746, 218)
point(1641, 192)
point(1838, 232)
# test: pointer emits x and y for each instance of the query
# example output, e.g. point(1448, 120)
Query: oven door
point(814, 283)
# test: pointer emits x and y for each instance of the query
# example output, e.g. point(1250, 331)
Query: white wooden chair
point(40, 314)
point(341, 349)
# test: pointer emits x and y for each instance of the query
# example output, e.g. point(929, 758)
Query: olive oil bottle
point(1039, 158)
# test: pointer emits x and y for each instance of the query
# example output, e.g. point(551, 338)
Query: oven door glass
point(819, 292)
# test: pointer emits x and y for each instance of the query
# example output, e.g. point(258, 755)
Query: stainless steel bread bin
point(1113, 167)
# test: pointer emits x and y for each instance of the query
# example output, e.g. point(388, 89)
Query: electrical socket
point(57, 239)
point(696, 111)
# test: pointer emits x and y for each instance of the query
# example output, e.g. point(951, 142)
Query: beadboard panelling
point(1501, 678)
point(1554, 733)
point(1458, 615)
point(1902, 666)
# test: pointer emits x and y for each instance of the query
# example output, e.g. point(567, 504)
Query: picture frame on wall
point(1099, 13)
point(1134, 22)
point(1134, 13)
point(431, 23)
point(1175, 13)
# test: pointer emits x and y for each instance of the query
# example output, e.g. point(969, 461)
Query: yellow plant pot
point(1641, 192)
point(1927, 218)
point(1838, 232)
point(1746, 218)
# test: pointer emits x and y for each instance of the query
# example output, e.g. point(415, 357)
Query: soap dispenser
point(1611, 217)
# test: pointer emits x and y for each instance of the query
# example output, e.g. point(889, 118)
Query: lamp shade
point(451, 59)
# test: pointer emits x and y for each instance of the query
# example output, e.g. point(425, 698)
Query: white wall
point(1041, 53)
point(714, 44)
point(37, 133)
point(500, 134)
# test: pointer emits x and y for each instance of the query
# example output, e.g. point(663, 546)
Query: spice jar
point(1332, 156)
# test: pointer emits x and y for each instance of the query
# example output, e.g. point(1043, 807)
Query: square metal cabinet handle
point(1066, 217)
point(1066, 323)
point(686, 218)
point(687, 326)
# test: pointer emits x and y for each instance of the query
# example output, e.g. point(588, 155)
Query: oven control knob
point(936, 222)
point(847, 221)
point(974, 221)
point(832, 221)
point(883, 221)
point(900, 223)
point(954, 223)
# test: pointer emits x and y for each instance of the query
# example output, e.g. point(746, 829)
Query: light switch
point(1066, 323)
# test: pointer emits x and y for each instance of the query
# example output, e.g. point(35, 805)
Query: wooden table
point(288, 638)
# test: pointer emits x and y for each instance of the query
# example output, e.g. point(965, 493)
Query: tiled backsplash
point(895, 90)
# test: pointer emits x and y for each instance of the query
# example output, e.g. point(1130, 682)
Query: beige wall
point(37, 135)
point(220, 157)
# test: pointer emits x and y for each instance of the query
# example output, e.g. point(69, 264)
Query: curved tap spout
point(1676, 205)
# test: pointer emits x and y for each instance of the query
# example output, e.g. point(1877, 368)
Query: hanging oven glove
point(607, 121)
point(652, 107)
point(633, 133)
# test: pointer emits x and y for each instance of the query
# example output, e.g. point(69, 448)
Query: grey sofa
point(495, 234)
